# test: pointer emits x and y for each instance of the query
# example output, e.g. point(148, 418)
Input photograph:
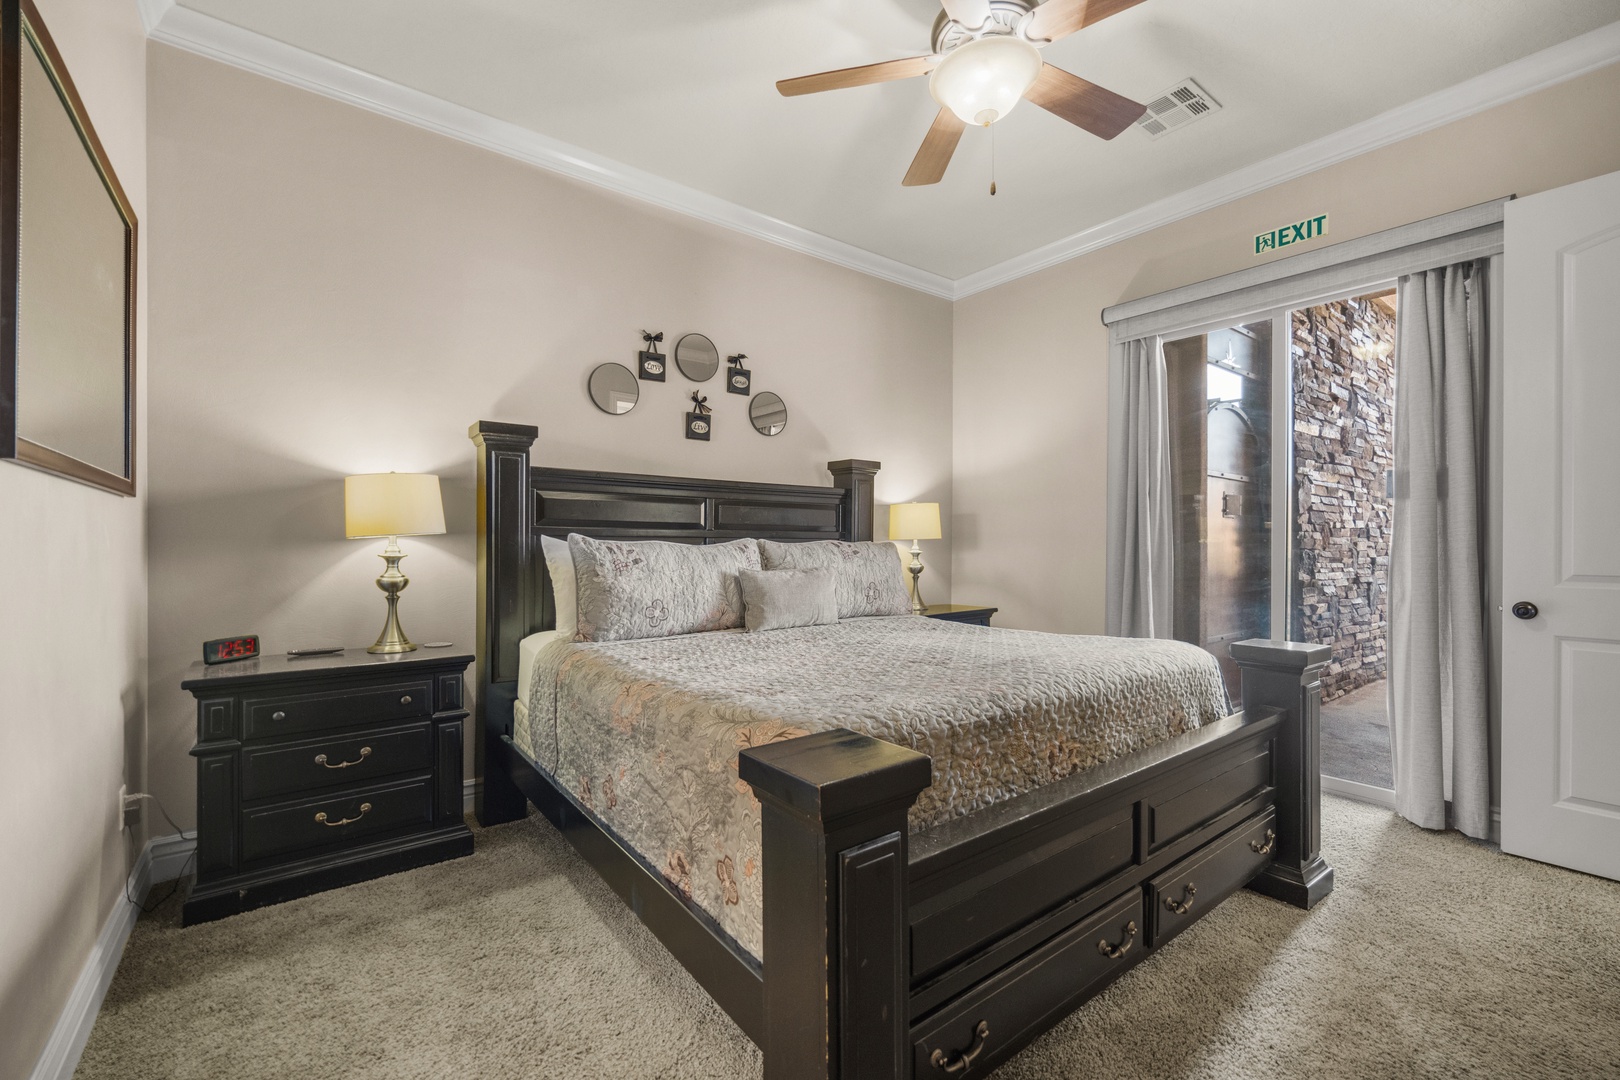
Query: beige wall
point(334, 292)
point(1030, 357)
point(72, 630)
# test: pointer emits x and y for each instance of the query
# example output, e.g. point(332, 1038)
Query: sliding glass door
point(1282, 435)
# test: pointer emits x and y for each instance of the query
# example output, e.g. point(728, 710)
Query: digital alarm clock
point(224, 650)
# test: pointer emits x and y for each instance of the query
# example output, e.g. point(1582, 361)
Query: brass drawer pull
point(406, 700)
point(365, 752)
point(1188, 895)
point(278, 716)
point(1264, 849)
point(321, 817)
point(960, 1062)
point(1114, 952)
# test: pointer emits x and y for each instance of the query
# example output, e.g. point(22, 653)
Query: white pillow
point(564, 589)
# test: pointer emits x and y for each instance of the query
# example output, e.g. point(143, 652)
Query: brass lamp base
point(392, 583)
point(916, 568)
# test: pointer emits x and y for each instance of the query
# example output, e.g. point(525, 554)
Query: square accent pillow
point(869, 578)
point(650, 589)
point(560, 566)
point(779, 599)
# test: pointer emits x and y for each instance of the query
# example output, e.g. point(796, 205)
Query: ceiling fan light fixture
point(982, 80)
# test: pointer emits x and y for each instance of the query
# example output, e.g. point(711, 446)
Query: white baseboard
point(1366, 793)
point(162, 859)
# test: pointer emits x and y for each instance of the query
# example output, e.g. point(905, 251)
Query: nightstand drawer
point(269, 717)
point(348, 758)
point(339, 818)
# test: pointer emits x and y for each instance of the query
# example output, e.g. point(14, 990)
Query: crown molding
point(152, 12)
point(216, 39)
point(1559, 63)
point(172, 24)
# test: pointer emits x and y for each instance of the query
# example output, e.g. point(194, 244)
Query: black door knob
point(1524, 609)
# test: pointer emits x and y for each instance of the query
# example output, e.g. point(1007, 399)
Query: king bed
point(887, 846)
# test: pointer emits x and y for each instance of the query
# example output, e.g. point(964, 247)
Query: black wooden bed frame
point(886, 955)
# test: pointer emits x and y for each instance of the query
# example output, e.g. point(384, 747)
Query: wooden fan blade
point(1084, 104)
point(928, 167)
point(1060, 18)
point(970, 13)
point(865, 75)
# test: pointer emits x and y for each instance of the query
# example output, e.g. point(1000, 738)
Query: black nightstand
point(324, 771)
point(968, 613)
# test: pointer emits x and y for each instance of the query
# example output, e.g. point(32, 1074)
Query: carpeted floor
point(1355, 737)
point(1435, 957)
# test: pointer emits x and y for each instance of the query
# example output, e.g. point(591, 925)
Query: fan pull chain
point(992, 159)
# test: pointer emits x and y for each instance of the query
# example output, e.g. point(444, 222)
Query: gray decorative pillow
point(649, 589)
point(779, 599)
point(868, 575)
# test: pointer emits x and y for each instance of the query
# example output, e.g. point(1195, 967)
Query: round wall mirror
point(697, 357)
point(614, 388)
point(768, 413)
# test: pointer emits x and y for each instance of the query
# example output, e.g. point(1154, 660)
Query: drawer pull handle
point(365, 752)
point(406, 700)
point(321, 817)
point(960, 1062)
point(1264, 849)
point(1188, 895)
point(278, 716)
point(1114, 952)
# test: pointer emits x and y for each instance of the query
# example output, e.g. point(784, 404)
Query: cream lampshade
point(915, 521)
point(392, 505)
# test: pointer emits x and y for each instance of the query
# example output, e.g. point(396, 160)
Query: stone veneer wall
point(1344, 440)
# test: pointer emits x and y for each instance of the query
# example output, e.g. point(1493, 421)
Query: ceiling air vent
point(1177, 107)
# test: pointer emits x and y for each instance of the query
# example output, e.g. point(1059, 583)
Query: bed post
point(837, 960)
point(504, 592)
point(1285, 675)
point(858, 478)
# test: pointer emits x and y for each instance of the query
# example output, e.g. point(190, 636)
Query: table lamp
point(914, 521)
point(392, 505)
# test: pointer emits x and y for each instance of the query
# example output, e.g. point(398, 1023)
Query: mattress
point(645, 734)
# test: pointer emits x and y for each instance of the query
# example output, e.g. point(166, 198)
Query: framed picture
point(651, 365)
point(700, 421)
point(739, 380)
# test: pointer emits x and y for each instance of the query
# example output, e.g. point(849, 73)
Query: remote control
point(323, 651)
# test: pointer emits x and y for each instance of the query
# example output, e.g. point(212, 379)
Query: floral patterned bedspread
point(645, 734)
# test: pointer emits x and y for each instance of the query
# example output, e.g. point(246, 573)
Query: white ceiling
point(684, 89)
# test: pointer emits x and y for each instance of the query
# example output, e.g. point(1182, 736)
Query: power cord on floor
point(152, 905)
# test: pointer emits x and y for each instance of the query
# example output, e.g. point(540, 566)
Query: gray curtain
point(1439, 700)
point(1140, 503)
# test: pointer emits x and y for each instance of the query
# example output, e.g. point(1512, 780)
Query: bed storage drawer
point(269, 717)
point(347, 758)
point(1176, 813)
point(339, 818)
point(948, 927)
point(1000, 1015)
point(1206, 877)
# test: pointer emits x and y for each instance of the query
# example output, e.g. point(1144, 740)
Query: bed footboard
point(837, 967)
point(1238, 802)
point(1286, 675)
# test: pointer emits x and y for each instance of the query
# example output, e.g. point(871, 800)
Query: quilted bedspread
point(645, 734)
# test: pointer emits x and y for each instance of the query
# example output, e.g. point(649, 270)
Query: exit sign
point(1297, 233)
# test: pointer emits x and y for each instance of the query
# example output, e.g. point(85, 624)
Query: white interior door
point(1561, 533)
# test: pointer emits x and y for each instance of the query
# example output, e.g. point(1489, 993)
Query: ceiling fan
point(986, 58)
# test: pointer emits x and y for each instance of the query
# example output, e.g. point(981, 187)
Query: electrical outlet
point(129, 806)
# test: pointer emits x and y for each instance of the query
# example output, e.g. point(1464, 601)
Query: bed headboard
point(518, 503)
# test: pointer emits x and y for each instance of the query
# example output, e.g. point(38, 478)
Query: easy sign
point(1300, 231)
